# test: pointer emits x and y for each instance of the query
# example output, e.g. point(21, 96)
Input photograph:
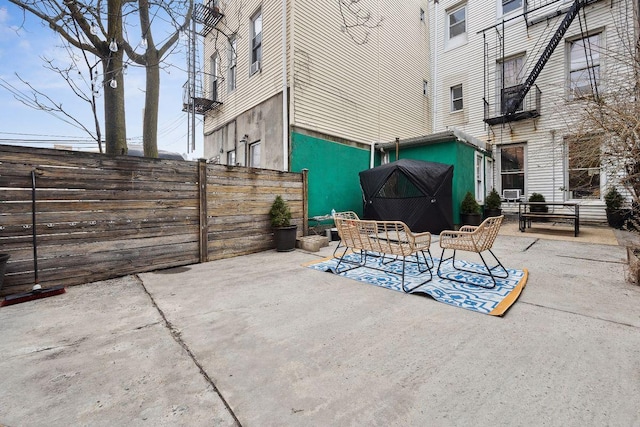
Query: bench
point(567, 211)
point(390, 240)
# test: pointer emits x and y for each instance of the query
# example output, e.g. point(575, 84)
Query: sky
point(23, 43)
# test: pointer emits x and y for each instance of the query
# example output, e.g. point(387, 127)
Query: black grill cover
point(415, 192)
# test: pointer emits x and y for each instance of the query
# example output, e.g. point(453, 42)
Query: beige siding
point(361, 92)
point(253, 89)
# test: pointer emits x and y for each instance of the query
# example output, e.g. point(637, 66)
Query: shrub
point(493, 200)
point(537, 197)
point(280, 213)
point(613, 199)
point(469, 204)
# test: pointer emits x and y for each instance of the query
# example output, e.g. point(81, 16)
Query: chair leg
point(419, 270)
point(488, 273)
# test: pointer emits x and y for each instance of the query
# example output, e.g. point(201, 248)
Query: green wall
point(453, 152)
point(334, 182)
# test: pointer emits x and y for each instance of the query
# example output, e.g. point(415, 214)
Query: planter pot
point(616, 218)
point(492, 212)
point(3, 267)
point(470, 219)
point(285, 238)
point(634, 264)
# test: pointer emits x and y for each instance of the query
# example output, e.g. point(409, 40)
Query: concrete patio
point(261, 340)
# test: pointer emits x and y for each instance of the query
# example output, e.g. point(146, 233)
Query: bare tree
point(99, 27)
point(81, 25)
point(609, 121)
point(178, 13)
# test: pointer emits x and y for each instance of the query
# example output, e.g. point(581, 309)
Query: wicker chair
point(473, 239)
point(343, 215)
point(391, 240)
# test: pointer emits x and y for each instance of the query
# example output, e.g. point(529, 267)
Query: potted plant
point(615, 214)
point(470, 212)
point(538, 198)
point(283, 232)
point(492, 204)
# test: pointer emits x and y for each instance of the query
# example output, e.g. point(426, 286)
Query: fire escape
point(504, 101)
point(195, 99)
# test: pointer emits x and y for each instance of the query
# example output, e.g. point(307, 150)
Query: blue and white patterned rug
point(494, 301)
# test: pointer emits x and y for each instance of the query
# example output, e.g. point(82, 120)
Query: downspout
point(285, 118)
point(434, 67)
point(397, 149)
point(372, 155)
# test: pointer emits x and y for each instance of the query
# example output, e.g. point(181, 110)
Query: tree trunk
point(152, 98)
point(115, 127)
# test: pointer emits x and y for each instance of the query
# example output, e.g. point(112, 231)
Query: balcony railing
point(207, 16)
point(498, 112)
point(199, 102)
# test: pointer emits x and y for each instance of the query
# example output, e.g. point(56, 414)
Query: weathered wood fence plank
point(100, 217)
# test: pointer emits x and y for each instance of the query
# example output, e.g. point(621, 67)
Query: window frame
point(591, 139)
point(479, 177)
point(515, 10)
point(232, 65)
point(251, 154)
point(231, 157)
point(574, 91)
point(453, 100)
point(501, 88)
point(255, 51)
point(523, 171)
point(214, 64)
point(458, 39)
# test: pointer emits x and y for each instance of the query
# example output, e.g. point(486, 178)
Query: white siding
point(545, 163)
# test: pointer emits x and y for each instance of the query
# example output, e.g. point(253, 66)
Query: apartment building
point(529, 67)
point(337, 80)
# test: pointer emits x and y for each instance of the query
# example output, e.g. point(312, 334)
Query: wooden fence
point(99, 217)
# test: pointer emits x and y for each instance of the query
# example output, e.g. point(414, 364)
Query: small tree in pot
point(284, 233)
point(470, 212)
point(492, 204)
point(539, 198)
point(615, 214)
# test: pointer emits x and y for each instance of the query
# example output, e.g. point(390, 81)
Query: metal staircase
point(514, 103)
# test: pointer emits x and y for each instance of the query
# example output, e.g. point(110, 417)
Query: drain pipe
point(372, 155)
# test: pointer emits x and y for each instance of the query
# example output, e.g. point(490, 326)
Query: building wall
point(340, 86)
point(333, 177)
point(252, 105)
point(362, 92)
point(544, 136)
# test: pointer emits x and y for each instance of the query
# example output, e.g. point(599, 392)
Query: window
point(233, 62)
point(254, 155)
point(457, 22)
point(479, 169)
point(584, 66)
point(425, 88)
point(215, 63)
point(456, 98)
point(512, 166)
point(509, 77)
point(256, 42)
point(231, 157)
point(510, 5)
point(584, 167)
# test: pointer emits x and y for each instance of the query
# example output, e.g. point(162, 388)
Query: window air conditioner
point(511, 194)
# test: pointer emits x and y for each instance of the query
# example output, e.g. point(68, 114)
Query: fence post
point(305, 202)
point(202, 199)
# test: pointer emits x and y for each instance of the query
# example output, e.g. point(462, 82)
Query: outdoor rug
point(494, 301)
